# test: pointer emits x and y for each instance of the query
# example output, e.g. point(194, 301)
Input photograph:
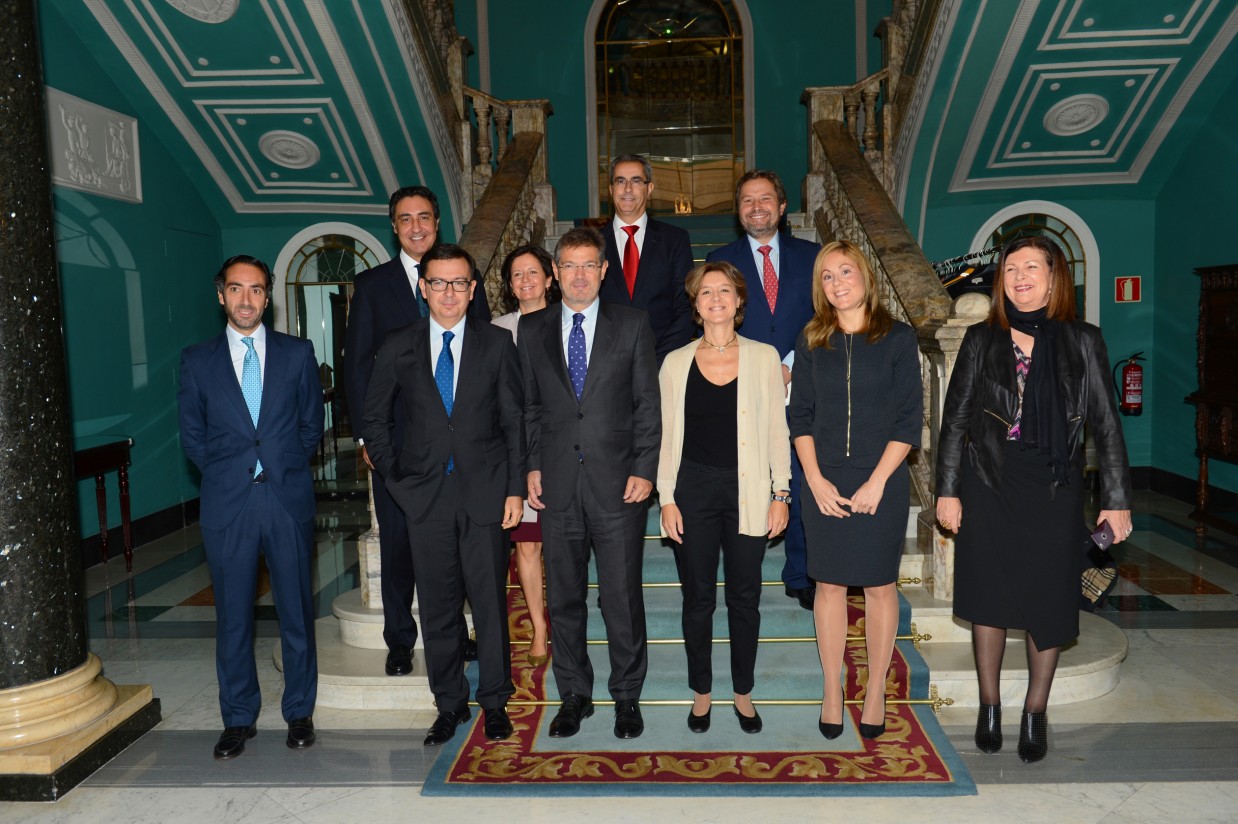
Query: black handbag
point(1100, 571)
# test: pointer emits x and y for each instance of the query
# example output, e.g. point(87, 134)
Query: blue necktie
point(577, 361)
point(444, 374)
point(251, 387)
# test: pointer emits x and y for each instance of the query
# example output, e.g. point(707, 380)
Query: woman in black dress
point(856, 413)
point(1025, 383)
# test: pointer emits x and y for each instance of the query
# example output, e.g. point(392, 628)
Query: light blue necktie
point(251, 387)
point(577, 360)
point(444, 374)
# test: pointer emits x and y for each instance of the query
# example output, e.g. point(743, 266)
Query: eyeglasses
point(440, 285)
point(587, 268)
point(622, 182)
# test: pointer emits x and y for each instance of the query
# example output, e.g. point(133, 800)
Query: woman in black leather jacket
point(1025, 383)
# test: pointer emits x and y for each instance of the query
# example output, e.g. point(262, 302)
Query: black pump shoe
point(872, 731)
point(989, 728)
point(830, 731)
point(698, 723)
point(1033, 736)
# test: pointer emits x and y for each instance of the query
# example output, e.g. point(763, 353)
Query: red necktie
point(769, 278)
point(631, 259)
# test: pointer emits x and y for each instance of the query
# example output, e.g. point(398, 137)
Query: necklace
point(721, 349)
point(849, 340)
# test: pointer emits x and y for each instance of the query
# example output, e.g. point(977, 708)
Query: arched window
point(669, 80)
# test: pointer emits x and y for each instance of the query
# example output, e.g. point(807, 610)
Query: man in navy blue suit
point(387, 298)
point(648, 260)
point(251, 416)
point(777, 269)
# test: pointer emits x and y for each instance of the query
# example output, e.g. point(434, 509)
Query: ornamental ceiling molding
point(303, 72)
point(1148, 79)
point(1072, 28)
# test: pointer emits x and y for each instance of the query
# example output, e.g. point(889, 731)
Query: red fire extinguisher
point(1130, 387)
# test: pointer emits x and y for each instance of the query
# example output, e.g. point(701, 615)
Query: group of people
point(618, 367)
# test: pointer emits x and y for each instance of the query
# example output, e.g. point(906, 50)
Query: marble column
point(58, 716)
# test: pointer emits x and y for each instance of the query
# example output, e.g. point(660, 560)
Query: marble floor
point(1161, 747)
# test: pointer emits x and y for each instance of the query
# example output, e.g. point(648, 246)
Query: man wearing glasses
point(388, 297)
point(458, 477)
point(649, 260)
point(593, 421)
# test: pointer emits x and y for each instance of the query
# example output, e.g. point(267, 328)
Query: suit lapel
point(224, 374)
point(553, 342)
point(470, 360)
point(273, 371)
point(604, 337)
point(650, 255)
point(747, 265)
point(402, 291)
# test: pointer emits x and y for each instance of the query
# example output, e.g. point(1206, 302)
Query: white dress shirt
point(436, 348)
point(621, 237)
point(412, 271)
point(237, 350)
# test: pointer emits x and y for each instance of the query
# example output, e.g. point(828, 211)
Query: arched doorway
point(314, 276)
point(670, 80)
point(1064, 226)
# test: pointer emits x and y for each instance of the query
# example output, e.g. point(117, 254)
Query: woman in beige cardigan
point(723, 480)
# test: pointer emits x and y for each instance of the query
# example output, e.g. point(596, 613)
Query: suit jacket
point(793, 309)
point(614, 430)
point(665, 260)
point(382, 302)
point(483, 437)
point(219, 436)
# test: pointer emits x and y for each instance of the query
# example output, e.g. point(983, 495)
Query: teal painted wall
point(1194, 227)
point(135, 281)
point(785, 61)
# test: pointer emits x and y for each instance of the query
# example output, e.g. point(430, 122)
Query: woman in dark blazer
point(1010, 454)
point(856, 413)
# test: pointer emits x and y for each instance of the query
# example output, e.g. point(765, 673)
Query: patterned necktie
point(577, 362)
point(631, 259)
point(251, 387)
point(444, 375)
point(769, 277)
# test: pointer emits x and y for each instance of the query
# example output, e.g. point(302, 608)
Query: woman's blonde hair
point(824, 322)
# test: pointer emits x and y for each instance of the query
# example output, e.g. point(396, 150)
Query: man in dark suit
point(648, 260)
point(458, 477)
point(594, 424)
point(388, 297)
point(777, 269)
point(251, 415)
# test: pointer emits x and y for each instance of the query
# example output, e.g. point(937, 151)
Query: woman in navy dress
point(856, 413)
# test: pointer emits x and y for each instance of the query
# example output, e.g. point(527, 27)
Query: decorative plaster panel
point(92, 148)
point(220, 52)
point(1094, 24)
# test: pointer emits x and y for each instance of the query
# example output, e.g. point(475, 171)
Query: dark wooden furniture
point(1216, 401)
point(96, 456)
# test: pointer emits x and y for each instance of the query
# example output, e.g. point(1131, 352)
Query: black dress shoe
point(699, 723)
point(444, 727)
point(1033, 736)
point(301, 733)
point(469, 649)
point(232, 741)
point(872, 731)
point(628, 721)
point(830, 731)
point(749, 724)
point(400, 661)
point(804, 595)
point(566, 722)
point(497, 725)
point(989, 728)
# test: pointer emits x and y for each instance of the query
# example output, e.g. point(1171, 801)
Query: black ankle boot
point(989, 728)
point(1033, 736)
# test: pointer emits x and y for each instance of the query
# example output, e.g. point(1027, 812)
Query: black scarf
point(1043, 425)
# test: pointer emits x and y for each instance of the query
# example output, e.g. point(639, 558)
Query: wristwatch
point(785, 499)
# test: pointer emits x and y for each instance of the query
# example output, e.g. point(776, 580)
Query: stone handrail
point(516, 208)
point(484, 143)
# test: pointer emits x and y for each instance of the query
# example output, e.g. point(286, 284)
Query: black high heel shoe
point(872, 731)
point(830, 731)
point(989, 728)
point(1033, 736)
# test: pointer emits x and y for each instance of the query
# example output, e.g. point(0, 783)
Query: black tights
point(989, 645)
